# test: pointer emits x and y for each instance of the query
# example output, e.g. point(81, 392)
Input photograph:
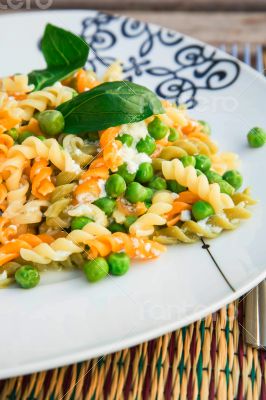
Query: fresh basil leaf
point(64, 53)
point(109, 104)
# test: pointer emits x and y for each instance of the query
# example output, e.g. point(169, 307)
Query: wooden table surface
point(214, 21)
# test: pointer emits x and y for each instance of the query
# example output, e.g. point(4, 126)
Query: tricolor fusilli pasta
point(77, 195)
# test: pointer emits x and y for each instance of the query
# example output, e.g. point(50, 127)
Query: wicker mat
point(205, 360)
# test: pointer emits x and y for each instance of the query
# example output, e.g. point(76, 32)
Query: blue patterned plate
point(65, 319)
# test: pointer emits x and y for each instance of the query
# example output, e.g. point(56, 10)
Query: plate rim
point(110, 348)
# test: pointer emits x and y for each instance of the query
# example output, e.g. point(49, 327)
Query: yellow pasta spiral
point(62, 248)
point(190, 231)
point(187, 176)
point(29, 213)
point(14, 85)
point(10, 113)
point(161, 205)
point(50, 97)
point(48, 149)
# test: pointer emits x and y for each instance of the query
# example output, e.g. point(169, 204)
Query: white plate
point(65, 319)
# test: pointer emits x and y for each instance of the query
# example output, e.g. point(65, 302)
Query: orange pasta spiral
point(40, 176)
point(110, 148)
point(6, 142)
point(7, 231)
point(10, 250)
point(134, 247)
point(89, 184)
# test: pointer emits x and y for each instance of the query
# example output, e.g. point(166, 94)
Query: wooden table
point(214, 21)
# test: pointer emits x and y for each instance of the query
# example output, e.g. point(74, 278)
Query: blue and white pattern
point(194, 66)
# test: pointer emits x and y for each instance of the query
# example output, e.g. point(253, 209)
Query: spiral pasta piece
point(114, 72)
point(10, 113)
point(92, 181)
point(7, 230)
point(134, 247)
point(243, 197)
point(155, 216)
point(176, 117)
point(81, 153)
point(62, 248)
point(12, 169)
point(29, 213)
point(11, 250)
point(56, 214)
point(210, 228)
point(40, 176)
point(224, 161)
point(50, 97)
point(89, 210)
point(19, 194)
point(6, 142)
point(199, 185)
point(48, 149)
point(17, 85)
point(85, 80)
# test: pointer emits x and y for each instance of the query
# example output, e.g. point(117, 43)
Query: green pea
point(234, 178)
point(206, 127)
point(126, 139)
point(51, 122)
point(157, 183)
point(188, 160)
point(213, 177)
point(146, 145)
point(175, 187)
point(79, 222)
point(13, 132)
point(256, 137)
point(157, 129)
point(144, 173)
point(123, 171)
point(96, 269)
point(147, 203)
point(173, 135)
point(201, 210)
point(106, 204)
point(135, 192)
point(27, 276)
point(130, 219)
point(115, 227)
point(149, 194)
point(115, 185)
point(24, 135)
point(118, 263)
point(225, 187)
point(42, 138)
point(203, 163)
point(92, 136)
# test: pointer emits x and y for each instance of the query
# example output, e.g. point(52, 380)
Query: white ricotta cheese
point(101, 184)
point(208, 227)
point(86, 197)
point(185, 215)
point(133, 159)
point(74, 167)
point(138, 130)
point(3, 276)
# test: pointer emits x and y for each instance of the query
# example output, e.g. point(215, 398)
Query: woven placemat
point(205, 360)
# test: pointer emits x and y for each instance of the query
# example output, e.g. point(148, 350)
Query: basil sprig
point(109, 104)
point(64, 53)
